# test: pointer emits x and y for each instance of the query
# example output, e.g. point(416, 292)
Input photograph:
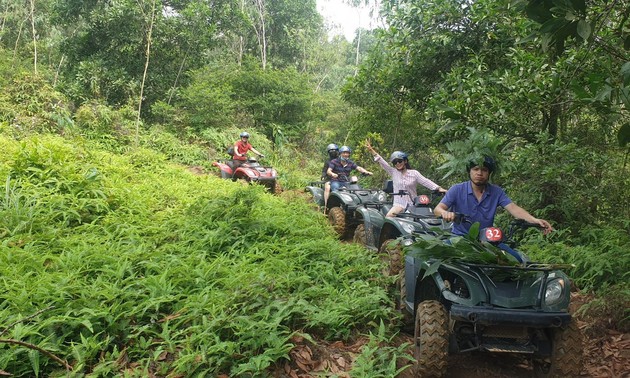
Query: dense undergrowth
point(116, 258)
point(133, 264)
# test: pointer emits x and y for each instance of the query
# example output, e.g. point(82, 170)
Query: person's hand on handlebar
point(544, 225)
point(448, 216)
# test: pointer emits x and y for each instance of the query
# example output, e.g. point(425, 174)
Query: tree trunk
point(179, 72)
point(4, 20)
point(356, 60)
point(144, 75)
point(260, 32)
point(34, 35)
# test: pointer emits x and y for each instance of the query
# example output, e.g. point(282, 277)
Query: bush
point(600, 256)
point(153, 266)
point(28, 103)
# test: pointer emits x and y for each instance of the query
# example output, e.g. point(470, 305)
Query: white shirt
point(407, 181)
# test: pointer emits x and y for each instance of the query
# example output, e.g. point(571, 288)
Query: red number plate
point(423, 200)
point(494, 234)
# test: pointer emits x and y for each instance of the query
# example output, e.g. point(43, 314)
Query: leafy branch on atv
point(443, 247)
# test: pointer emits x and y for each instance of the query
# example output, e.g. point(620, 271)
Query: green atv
point(343, 203)
point(464, 294)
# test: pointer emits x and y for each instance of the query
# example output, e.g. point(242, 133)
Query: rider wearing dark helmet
point(479, 200)
point(241, 147)
point(403, 178)
point(333, 153)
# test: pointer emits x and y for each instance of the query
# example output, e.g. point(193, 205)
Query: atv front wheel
point(407, 318)
point(337, 219)
point(431, 340)
point(275, 188)
point(359, 235)
point(390, 252)
point(566, 354)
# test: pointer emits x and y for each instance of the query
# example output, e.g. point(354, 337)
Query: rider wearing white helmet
point(241, 147)
point(403, 177)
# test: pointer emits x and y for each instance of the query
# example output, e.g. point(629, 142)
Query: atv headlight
point(407, 227)
point(555, 289)
point(382, 197)
point(407, 242)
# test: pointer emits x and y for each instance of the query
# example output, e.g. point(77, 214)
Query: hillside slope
point(128, 263)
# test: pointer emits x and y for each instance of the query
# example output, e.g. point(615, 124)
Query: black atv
point(465, 294)
point(342, 204)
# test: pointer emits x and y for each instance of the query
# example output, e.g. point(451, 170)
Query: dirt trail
point(606, 354)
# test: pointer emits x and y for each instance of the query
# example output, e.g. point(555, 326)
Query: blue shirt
point(461, 199)
point(343, 171)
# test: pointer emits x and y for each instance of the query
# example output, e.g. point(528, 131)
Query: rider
point(333, 153)
point(479, 199)
point(240, 150)
point(403, 177)
point(339, 169)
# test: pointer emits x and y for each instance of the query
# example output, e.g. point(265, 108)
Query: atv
point(251, 171)
point(464, 294)
point(378, 233)
point(342, 204)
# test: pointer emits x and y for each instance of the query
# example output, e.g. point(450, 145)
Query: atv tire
point(359, 235)
point(407, 317)
point(275, 188)
point(431, 340)
point(566, 354)
point(337, 219)
point(393, 256)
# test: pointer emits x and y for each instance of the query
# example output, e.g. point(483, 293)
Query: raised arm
point(378, 158)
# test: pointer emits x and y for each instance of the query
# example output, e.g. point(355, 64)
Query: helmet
point(332, 146)
point(488, 162)
point(398, 155)
point(244, 134)
point(345, 149)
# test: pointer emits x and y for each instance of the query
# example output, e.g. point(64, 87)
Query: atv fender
point(226, 170)
point(342, 197)
point(433, 287)
point(317, 193)
point(373, 221)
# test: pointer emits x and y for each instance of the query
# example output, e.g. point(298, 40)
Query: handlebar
point(520, 223)
point(402, 192)
point(516, 223)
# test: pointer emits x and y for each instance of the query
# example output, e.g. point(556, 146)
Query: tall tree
point(105, 42)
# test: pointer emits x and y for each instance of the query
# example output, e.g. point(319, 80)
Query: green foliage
point(17, 210)
point(444, 248)
point(608, 310)
point(208, 99)
point(112, 129)
point(599, 256)
point(149, 265)
point(478, 145)
point(175, 149)
point(28, 103)
point(567, 183)
point(273, 97)
point(379, 359)
point(624, 135)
